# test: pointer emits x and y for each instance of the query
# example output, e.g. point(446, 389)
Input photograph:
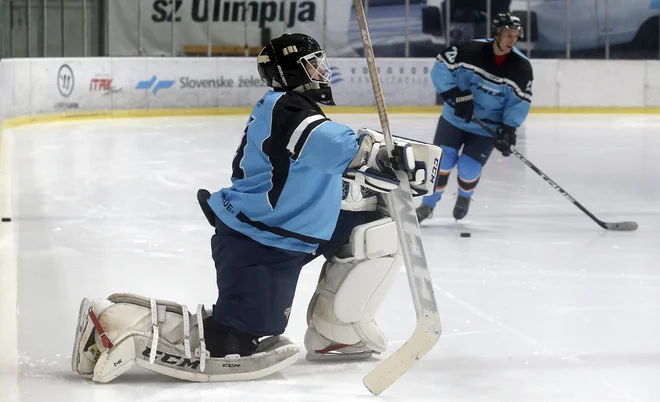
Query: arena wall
point(41, 90)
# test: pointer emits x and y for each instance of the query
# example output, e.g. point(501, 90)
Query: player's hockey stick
point(620, 226)
point(428, 327)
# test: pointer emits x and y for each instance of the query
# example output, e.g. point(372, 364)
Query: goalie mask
point(296, 62)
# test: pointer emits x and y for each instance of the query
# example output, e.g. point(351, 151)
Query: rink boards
point(136, 87)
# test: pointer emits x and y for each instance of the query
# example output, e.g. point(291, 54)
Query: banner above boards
point(189, 23)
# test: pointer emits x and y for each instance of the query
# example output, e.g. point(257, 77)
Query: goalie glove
point(365, 170)
point(372, 168)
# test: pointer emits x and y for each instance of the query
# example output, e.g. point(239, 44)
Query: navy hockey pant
point(256, 283)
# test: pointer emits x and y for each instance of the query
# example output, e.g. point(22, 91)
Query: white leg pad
point(352, 288)
point(126, 330)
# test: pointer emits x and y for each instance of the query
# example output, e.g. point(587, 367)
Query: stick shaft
point(611, 226)
point(402, 210)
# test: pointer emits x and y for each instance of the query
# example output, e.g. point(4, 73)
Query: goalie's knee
point(353, 285)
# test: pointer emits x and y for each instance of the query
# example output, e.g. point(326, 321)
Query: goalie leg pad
point(126, 330)
point(352, 287)
point(85, 352)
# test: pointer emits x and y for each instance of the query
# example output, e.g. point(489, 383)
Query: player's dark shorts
point(477, 147)
point(256, 283)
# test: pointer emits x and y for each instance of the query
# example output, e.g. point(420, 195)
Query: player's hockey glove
point(462, 101)
point(505, 138)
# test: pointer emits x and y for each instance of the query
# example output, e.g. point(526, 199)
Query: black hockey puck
point(5, 219)
point(466, 234)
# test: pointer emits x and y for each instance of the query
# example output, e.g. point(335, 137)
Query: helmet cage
point(316, 67)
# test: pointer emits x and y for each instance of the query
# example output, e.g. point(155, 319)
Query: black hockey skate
point(222, 340)
point(461, 207)
point(423, 212)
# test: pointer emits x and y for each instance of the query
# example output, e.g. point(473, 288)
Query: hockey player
point(281, 211)
point(492, 80)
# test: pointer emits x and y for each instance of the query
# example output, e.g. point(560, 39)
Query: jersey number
point(237, 165)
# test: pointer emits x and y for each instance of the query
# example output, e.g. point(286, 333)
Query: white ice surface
point(540, 304)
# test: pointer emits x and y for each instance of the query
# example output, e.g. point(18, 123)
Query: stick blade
point(622, 226)
point(426, 335)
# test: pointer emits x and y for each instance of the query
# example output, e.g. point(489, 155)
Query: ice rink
point(540, 304)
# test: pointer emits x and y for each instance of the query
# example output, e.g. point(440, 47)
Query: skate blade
point(337, 357)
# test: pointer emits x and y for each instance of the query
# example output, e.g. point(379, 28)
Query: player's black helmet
point(294, 61)
point(505, 20)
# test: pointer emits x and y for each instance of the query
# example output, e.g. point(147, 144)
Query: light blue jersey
point(502, 94)
point(287, 174)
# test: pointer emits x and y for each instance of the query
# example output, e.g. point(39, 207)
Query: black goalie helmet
point(506, 20)
point(296, 62)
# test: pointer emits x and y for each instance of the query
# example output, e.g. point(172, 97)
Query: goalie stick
point(428, 328)
point(619, 226)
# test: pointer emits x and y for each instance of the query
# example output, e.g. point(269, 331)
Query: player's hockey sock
point(469, 173)
point(466, 187)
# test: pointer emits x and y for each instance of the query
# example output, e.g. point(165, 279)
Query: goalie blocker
point(372, 168)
